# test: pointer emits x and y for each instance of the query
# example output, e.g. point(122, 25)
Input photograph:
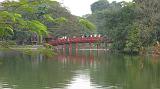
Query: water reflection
point(28, 72)
point(85, 70)
point(118, 71)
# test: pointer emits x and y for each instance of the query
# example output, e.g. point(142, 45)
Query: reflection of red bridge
point(62, 41)
point(76, 58)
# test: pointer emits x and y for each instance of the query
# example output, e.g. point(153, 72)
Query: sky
point(80, 7)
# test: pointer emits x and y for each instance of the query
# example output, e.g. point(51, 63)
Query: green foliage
point(133, 43)
point(6, 44)
point(7, 19)
point(36, 16)
point(25, 15)
point(48, 46)
point(130, 25)
point(60, 20)
point(37, 27)
point(5, 31)
point(48, 17)
point(65, 24)
point(115, 21)
point(87, 24)
point(10, 19)
point(45, 51)
point(99, 5)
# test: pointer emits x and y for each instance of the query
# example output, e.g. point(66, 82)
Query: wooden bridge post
point(83, 46)
point(76, 48)
point(105, 45)
point(91, 58)
point(90, 44)
point(98, 47)
point(64, 48)
point(70, 48)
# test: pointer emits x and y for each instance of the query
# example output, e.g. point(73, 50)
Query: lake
point(85, 70)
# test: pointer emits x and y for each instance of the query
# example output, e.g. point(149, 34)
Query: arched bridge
point(74, 40)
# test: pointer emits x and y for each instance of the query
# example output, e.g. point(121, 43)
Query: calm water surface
point(78, 71)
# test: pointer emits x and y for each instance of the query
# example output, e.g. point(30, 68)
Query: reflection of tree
point(109, 72)
point(19, 70)
point(126, 73)
point(117, 71)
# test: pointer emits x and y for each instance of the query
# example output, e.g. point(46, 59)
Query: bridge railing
point(61, 41)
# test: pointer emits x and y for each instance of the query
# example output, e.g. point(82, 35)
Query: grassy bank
point(46, 49)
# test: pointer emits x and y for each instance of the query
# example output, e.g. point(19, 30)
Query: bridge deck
point(62, 41)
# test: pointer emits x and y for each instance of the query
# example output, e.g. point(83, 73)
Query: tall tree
point(115, 22)
point(148, 15)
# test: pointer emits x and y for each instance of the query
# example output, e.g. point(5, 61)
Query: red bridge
point(73, 40)
point(60, 43)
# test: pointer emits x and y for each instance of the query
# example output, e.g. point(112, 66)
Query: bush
point(48, 46)
point(6, 44)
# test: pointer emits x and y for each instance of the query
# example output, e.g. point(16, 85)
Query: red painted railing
point(62, 41)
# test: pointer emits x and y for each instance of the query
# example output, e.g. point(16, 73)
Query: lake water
point(84, 70)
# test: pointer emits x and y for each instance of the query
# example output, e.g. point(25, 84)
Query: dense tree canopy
point(131, 25)
point(37, 18)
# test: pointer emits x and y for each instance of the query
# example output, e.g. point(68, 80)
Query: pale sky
point(80, 7)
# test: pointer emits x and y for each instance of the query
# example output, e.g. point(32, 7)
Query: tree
point(40, 17)
point(34, 14)
point(7, 20)
point(148, 16)
point(87, 24)
point(115, 22)
point(100, 5)
point(71, 27)
point(133, 43)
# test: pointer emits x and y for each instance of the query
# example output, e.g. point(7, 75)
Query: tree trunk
point(40, 39)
